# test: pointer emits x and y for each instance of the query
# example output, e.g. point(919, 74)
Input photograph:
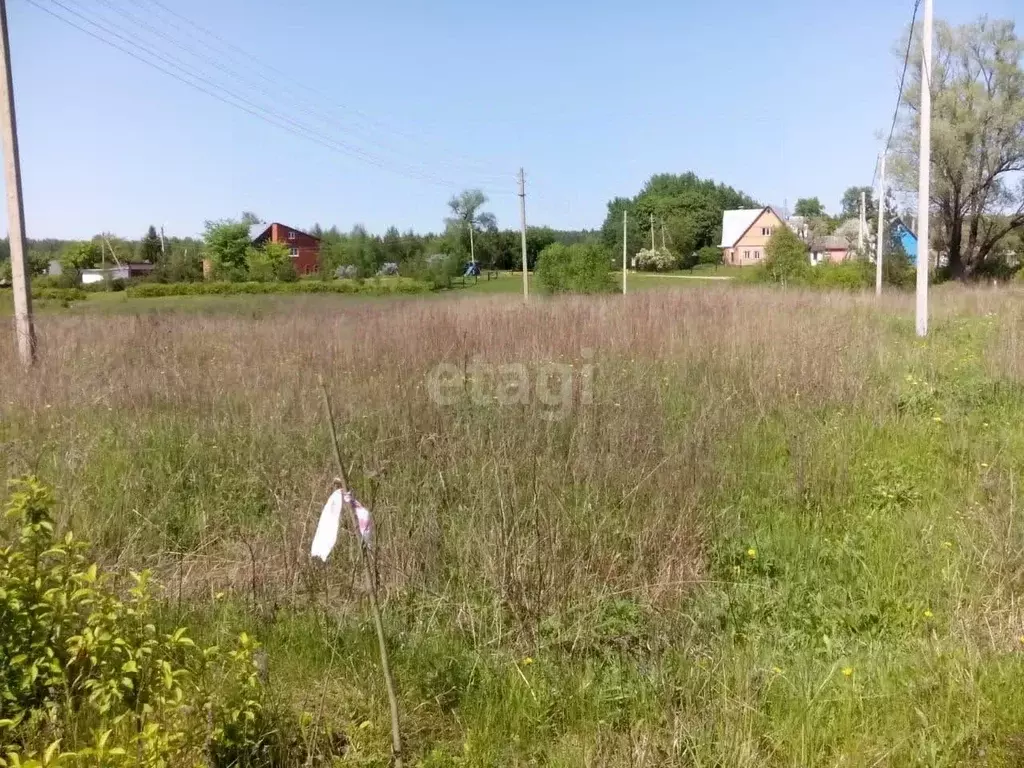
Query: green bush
point(69, 279)
point(382, 287)
point(86, 677)
point(59, 294)
point(709, 254)
point(437, 269)
point(580, 268)
point(852, 275)
point(656, 260)
point(786, 258)
point(897, 269)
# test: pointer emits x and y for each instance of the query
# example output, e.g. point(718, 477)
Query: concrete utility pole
point(625, 238)
point(15, 204)
point(163, 248)
point(863, 221)
point(652, 231)
point(881, 220)
point(924, 175)
point(472, 250)
point(522, 224)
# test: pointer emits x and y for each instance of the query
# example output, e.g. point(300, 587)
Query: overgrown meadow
point(770, 528)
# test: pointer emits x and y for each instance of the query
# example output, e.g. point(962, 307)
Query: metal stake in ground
point(396, 732)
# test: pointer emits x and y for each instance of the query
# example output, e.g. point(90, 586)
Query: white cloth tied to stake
point(330, 521)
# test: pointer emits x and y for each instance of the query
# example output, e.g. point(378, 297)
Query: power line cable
point(298, 105)
point(210, 88)
point(899, 95)
point(227, 46)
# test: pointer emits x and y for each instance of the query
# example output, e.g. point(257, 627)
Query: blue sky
point(417, 100)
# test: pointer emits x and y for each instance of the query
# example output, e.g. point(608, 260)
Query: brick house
point(745, 233)
point(305, 248)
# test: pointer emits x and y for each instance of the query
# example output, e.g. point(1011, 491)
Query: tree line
point(674, 221)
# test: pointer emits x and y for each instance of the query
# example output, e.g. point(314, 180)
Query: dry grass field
point(724, 526)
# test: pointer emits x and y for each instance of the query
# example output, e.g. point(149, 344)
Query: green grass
point(512, 282)
point(785, 532)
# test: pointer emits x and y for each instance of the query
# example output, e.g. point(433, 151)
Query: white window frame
point(293, 251)
point(291, 234)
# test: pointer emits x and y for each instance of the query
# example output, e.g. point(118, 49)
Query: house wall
point(909, 245)
point(750, 248)
point(307, 258)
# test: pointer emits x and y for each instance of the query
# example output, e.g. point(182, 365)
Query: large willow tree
point(977, 193)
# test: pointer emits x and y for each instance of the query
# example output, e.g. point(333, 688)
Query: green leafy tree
point(183, 262)
point(580, 268)
point(83, 255)
point(809, 207)
point(226, 244)
point(150, 248)
point(391, 247)
point(537, 239)
point(786, 257)
point(689, 208)
point(977, 194)
point(709, 254)
point(851, 203)
point(362, 251)
point(466, 217)
point(269, 262)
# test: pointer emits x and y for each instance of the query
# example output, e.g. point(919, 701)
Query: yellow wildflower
point(928, 614)
point(751, 553)
point(847, 671)
point(527, 661)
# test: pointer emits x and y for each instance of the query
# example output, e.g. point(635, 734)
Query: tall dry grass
point(766, 489)
point(193, 443)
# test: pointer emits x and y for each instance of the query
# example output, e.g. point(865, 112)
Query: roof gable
point(735, 224)
point(258, 232)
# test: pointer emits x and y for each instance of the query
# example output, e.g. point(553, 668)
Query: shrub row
point(373, 287)
point(59, 294)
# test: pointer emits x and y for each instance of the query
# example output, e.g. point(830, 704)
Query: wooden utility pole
point(15, 204)
point(522, 226)
point(924, 175)
point(881, 225)
point(625, 238)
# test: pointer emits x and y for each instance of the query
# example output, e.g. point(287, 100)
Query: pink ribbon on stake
point(326, 535)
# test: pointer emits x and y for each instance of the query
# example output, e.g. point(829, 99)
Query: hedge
point(59, 294)
point(367, 288)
